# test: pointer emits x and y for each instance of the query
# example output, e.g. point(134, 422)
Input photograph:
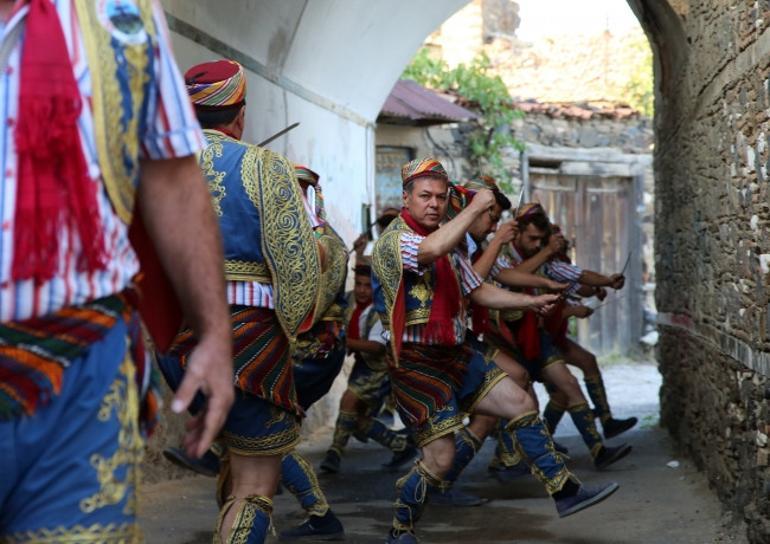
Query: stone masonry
point(712, 248)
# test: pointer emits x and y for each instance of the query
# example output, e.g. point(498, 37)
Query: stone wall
point(712, 250)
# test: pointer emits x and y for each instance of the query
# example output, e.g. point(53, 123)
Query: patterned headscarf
point(216, 84)
point(304, 173)
point(425, 167)
point(531, 208)
point(459, 198)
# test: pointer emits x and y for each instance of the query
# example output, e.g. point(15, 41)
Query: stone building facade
point(712, 250)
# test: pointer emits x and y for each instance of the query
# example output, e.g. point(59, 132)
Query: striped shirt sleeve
point(563, 272)
point(410, 246)
point(171, 129)
point(469, 279)
point(501, 263)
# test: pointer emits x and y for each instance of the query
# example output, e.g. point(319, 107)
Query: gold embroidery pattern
point(275, 444)
point(236, 270)
point(123, 398)
point(214, 177)
point(389, 268)
point(321, 506)
point(114, 144)
point(491, 379)
point(430, 431)
point(245, 516)
point(333, 278)
point(287, 238)
point(125, 533)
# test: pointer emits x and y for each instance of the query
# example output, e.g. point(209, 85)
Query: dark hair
point(362, 270)
point(502, 200)
point(217, 117)
point(540, 220)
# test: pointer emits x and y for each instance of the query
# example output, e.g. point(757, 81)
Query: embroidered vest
point(266, 233)
point(120, 52)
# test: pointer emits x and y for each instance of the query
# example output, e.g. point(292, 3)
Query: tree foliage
point(487, 94)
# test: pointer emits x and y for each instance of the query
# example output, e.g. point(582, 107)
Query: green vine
point(487, 95)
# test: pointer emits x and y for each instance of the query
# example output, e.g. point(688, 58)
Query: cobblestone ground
point(656, 504)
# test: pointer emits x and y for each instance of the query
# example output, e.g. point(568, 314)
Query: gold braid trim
point(389, 268)
point(115, 143)
point(288, 244)
point(247, 271)
point(332, 280)
point(248, 508)
point(428, 432)
point(491, 379)
point(276, 444)
point(320, 507)
point(125, 533)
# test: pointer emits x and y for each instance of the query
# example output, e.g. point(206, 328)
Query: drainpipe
point(524, 172)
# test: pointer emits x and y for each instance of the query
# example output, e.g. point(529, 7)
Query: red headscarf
point(446, 293)
point(54, 188)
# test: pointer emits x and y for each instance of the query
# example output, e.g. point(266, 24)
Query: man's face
point(362, 289)
point(486, 223)
point(427, 201)
point(531, 240)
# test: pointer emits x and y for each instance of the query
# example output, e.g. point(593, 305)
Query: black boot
point(609, 455)
point(331, 462)
point(326, 527)
point(613, 427)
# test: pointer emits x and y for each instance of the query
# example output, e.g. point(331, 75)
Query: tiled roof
point(411, 103)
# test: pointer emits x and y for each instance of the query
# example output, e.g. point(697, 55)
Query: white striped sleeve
point(563, 272)
point(410, 247)
point(501, 263)
point(170, 129)
point(469, 279)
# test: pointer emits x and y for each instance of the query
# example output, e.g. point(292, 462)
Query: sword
point(625, 266)
point(520, 200)
point(263, 143)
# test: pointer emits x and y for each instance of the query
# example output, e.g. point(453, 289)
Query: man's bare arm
point(513, 277)
point(443, 240)
point(177, 212)
point(505, 233)
point(500, 299)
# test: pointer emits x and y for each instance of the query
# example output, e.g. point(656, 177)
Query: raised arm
point(594, 279)
point(554, 246)
point(514, 277)
point(177, 212)
point(505, 234)
point(500, 299)
point(443, 240)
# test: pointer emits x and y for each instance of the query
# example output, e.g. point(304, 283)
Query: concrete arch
point(328, 64)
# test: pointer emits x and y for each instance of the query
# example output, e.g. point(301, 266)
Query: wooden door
point(596, 215)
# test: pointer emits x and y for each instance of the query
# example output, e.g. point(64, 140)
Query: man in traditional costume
point(422, 275)
point(368, 384)
point(522, 336)
point(581, 283)
point(318, 357)
point(272, 268)
point(93, 134)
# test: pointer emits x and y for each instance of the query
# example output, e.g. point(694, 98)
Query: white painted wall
point(328, 64)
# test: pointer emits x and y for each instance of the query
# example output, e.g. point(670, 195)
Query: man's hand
point(204, 372)
point(176, 208)
point(601, 293)
point(544, 304)
point(582, 312)
point(556, 244)
point(506, 233)
point(617, 281)
point(555, 285)
point(359, 245)
point(482, 200)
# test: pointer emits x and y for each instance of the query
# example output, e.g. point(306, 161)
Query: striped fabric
point(169, 130)
point(425, 379)
point(564, 272)
point(261, 360)
point(254, 293)
point(219, 83)
point(34, 353)
point(468, 278)
point(425, 167)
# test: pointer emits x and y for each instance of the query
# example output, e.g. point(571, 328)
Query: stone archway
point(331, 64)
